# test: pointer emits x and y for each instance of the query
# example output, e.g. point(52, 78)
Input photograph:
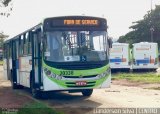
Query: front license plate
point(81, 83)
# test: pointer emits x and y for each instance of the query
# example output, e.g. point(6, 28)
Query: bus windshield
point(75, 46)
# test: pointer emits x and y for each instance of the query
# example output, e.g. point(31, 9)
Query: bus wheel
point(87, 92)
point(35, 93)
point(14, 85)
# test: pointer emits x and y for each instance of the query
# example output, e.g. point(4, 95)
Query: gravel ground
point(120, 94)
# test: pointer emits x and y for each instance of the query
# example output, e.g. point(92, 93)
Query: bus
point(145, 56)
point(120, 57)
point(65, 53)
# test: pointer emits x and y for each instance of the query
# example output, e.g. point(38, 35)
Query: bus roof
point(117, 43)
point(14, 37)
point(145, 43)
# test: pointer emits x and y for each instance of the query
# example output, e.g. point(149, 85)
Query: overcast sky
point(119, 13)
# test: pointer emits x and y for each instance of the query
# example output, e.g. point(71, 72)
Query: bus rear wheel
point(14, 85)
point(87, 92)
point(35, 93)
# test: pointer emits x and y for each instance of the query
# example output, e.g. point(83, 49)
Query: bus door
point(15, 61)
point(36, 64)
point(8, 63)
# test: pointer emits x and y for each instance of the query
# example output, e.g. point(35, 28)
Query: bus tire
point(35, 93)
point(87, 92)
point(14, 86)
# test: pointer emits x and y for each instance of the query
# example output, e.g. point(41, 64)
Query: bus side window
point(14, 50)
point(4, 51)
point(17, 47)
point(10, 49)
point(21, 45)
point(26, 40)
point(29, 44)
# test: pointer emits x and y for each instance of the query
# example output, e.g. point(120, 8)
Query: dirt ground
point(120, 94)
point(10, 98)
point(124, 82)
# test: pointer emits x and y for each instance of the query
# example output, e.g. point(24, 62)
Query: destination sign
point(75, 23)
point(81, 22)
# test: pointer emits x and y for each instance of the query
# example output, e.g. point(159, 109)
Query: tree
point(141, 30)
point(5, 4)
point(2, 37)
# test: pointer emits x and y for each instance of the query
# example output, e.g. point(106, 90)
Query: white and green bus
point(67, 53)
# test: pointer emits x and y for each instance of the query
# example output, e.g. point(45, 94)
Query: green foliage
point(37, 108)
point(138, 77)
point(5, 2)
point(141, 30)
point(2, 37)
point(1, 62)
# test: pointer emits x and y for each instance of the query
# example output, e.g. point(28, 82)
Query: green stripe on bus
point(78, 72)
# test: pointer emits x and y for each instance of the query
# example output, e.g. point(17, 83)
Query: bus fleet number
point(66, 73)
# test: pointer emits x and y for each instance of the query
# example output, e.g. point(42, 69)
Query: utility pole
point(152, 27)
point(151, 6)
point(152, 30)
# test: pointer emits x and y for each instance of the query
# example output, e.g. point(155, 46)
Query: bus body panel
point(24, 71)
point(145, 55)
point(106, 83)
point(120, 56)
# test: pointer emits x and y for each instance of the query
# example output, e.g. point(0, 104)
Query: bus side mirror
point(110, 42)
point(41, 46)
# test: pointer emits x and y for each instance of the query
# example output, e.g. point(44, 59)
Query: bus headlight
point(54, 76)
point(104, 73)
point(50, 74)
point(100, 75)
point(59, 77)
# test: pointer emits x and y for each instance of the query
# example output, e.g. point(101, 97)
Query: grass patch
point(37, 108)
point(155, 88)
point(1, 62)
point(138, 77)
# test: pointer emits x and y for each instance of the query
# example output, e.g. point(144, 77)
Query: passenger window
point(26, 40)
point(21, 45)
point(29, 44)
point(10, 52)
point(17, 48)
